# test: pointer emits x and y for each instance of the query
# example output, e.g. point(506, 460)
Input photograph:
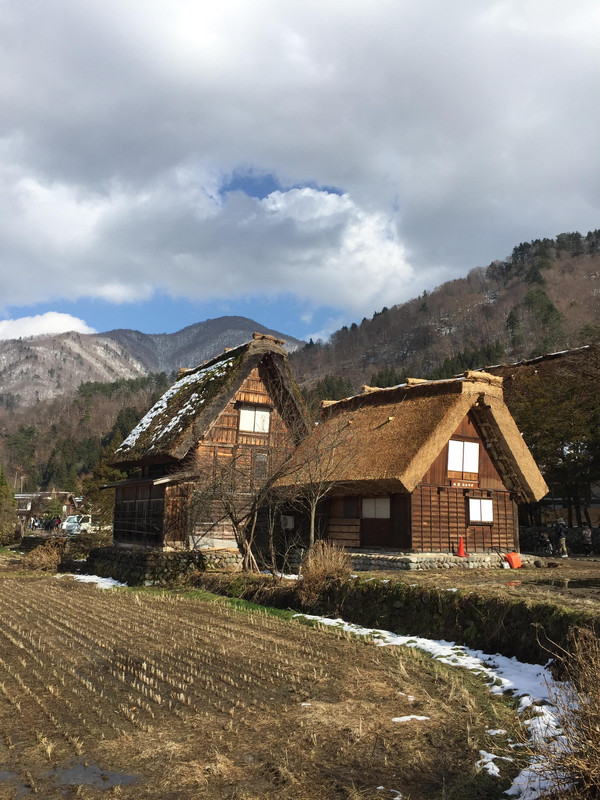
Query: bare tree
point(231, 495)
point(316, 468)
point(223, 499)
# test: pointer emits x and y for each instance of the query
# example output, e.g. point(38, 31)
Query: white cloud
point(454, 131)
point(51, 322)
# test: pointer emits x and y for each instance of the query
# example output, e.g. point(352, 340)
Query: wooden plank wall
point(139, 510)
point(344, 532)
point(488, 476)
point(346, 522)
point(440, 515)
point(226, 447)
point(225, 429)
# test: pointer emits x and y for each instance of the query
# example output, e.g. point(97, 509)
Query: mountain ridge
point(42, 367)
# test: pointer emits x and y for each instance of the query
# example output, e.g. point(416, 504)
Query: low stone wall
point(138, 567)
point(29, 543)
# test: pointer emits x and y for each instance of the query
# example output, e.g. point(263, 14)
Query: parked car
point(77, 523)
point(70, 523)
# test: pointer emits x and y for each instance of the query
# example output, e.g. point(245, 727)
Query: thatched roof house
point(243, 404)
point(186, 411)
point(417, 466)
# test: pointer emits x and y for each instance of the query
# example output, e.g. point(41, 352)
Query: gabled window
point(481, 510)
point(463, 456)
point(375, 508)
point(255, 419)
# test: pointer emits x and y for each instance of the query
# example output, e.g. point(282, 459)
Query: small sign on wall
point(465, 484)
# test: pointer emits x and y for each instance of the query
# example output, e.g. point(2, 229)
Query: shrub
point(573, 759)
point(80, 545)
point(46, 557)
point(9, 534)
point(323, 566)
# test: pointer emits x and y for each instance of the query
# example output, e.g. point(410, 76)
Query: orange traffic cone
point(461, 548)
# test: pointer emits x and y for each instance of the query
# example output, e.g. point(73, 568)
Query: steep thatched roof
point(184, 413)
point(392, 436)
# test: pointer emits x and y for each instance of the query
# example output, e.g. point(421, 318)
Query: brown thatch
point(183, 415)
point(392, 436)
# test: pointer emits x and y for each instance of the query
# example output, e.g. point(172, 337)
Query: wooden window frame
point(260, 465)
point(477, 512)
point(258, 414)
point(456, 454)
point(381, 506)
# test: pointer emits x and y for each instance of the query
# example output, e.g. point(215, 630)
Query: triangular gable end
point(436, 442)
point(186, 411)
point(498, 431)
point(439, 472)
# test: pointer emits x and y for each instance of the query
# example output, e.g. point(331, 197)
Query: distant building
point(32, 504)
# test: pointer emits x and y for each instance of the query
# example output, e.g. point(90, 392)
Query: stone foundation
point(139, 567)
point(370, 561)
point(29, 543)
point(367, 562)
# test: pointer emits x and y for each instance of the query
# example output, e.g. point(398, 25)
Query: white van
point(77, 523)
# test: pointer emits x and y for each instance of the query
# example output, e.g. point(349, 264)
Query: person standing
point(561, 530)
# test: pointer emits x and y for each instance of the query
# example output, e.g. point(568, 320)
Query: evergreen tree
point(8, 512)
point(387, 377)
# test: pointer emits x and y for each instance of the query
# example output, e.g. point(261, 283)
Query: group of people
point(47, 524)
point(553, 541)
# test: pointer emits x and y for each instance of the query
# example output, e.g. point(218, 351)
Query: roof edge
point(470, 382)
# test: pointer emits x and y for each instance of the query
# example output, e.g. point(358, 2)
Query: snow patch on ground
point(486, 762)
point(529, 682)
point(101, 583)
point(291, 576)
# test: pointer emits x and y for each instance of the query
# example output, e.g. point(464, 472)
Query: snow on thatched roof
point(183, 414)
point(392, 436)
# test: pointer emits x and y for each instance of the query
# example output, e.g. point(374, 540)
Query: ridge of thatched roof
point(525, 362)
point(392, 436)
point(186, 410)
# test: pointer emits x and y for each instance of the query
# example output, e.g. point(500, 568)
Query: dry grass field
point(163, 695)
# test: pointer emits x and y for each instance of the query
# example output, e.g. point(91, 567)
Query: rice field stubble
point(201, 700)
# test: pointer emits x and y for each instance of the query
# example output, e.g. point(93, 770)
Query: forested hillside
point(57, 443)
point(556, 404)
point(545, 297)
point(42, 367)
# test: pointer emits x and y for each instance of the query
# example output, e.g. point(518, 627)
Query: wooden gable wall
point(224, 434)
point(252, 456)
point(488, 476)
point(439, 511)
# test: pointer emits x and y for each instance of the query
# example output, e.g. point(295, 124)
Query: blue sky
point(301, 164)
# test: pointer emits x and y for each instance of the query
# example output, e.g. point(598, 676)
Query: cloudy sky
point(301, 163)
